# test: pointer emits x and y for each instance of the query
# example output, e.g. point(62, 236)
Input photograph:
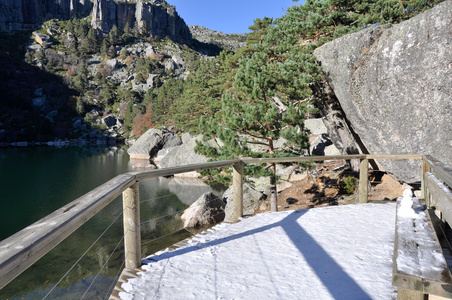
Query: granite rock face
point(29, 14)
point(159, 19)
point(208, 209)
point(251, 201)
point(394, 84)
point(151, 142)
point(183, 155)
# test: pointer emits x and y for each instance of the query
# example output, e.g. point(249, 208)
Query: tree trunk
point(273, 191)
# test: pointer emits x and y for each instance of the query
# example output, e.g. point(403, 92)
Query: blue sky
point(229, 16)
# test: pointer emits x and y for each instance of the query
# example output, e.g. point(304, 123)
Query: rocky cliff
point(225, 40)
point(29, 14)
point(394, 84)
point(156, 17)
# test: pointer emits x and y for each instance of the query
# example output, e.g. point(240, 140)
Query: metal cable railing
point(102, 268)
point(106, 262)
point(83, 255)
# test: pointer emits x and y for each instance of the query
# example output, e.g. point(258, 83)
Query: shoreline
point(64, 143)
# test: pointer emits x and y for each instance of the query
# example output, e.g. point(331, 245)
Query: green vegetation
point(272, 84)
point(350, 184)
point(249, 97)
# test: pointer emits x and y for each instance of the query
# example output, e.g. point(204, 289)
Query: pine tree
point(203, 90)
point(258, 29)
point(80, 107)
point(114, 35)
point(127, 33)
point(104, 47)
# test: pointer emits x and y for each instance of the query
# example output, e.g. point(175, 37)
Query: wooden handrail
point(21, 250)
point(185, 169)
point(439, 169)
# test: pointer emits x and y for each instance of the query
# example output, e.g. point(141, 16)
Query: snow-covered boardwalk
point(340, 252)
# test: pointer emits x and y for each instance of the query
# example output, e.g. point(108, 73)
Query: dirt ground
point(324, 185)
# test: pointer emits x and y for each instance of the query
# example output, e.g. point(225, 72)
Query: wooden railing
point(421, 266)
point(24, 248)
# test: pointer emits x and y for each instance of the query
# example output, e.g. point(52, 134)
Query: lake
point(37, 181)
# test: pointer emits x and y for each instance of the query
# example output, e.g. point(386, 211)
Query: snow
point(339, 252)
point(419, 253)
point(406, 205)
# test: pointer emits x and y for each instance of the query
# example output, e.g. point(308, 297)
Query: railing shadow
point(334, 278)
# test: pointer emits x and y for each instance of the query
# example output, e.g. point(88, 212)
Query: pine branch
point(304, 100)
point(257, 143)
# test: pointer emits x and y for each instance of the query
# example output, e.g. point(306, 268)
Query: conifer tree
point(264, 104)
point(203, 90)
point(114, 35)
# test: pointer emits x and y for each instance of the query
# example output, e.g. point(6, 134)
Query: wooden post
point(404, 294)
point(132, 235)
point(425, 168)
point(273, 198)
point(237, 190)
point(363, 180)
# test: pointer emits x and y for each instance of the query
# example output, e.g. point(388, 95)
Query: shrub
point(350, 184)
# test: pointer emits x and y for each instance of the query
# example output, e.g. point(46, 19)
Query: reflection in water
point(37, 181)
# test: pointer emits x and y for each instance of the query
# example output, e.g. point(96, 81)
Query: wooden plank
point(363, 180)
point(442, 171)
point(132, 234)
point(441, 195)
point(184, 169)
point(394, 156)
point(333, 157)
point(404, 294)
point(21, 250)
point(300, 159)
point(219, 164)
point(419, 270)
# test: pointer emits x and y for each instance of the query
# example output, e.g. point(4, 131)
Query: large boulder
point(251, 200)
point(151, 142)
point(315, 126)
point(394, 84)
point(184, 155)
point(208, 209)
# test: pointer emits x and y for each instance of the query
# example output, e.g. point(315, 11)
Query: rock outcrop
point(394, 84)
point(251, 201)
point(155, 17)
point(158, 18)
point(29, 14)
point(184, 155)
point(225, 40)
point(151, 142)
point(208, 209)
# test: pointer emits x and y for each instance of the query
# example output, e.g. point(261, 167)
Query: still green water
point(37, 181)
